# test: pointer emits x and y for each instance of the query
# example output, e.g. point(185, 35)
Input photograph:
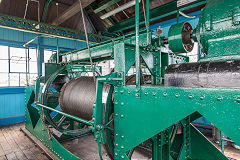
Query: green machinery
point(123, 115)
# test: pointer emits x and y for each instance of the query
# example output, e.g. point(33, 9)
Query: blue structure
point(12, 103)
point(15, 38)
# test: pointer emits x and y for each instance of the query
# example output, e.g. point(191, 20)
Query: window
point(18, 57)
point(4, 59)
point(47, 55)
point(32, 61)
point(3, 79)
point(16, 64)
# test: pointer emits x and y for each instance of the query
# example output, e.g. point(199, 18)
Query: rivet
point(137, 94)
point(122, 103)
point(121, 91)
point(177, 95)
point(238, 99)
point(116, 144)
point(220, 98)
point(116, 102)
point(165, 94)
point(122, 136)
point(122, 147)
point(190, 96)
point(122, 116)
point(116, 114)
point(122, 157)
point(154, 94)
point(146, 93)
point(202, 97)
point(129, 92)
point(116, 154)
point(116, 134)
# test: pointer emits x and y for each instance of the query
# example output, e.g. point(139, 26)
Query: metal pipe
point(30, 41)
point(37, 37)
point(57, 51)
point(222, 142)
point(27, 53)
point(137, 56)
point(148, 19)
point(184, 15)
point(38, 56)
point(119, 9)
point(65, 114)
point(123, 11)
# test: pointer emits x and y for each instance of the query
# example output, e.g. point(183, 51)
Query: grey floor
point(87, 148)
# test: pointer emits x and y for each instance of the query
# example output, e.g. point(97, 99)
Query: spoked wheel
point(49, 97)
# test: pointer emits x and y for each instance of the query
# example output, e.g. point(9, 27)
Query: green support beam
point(21, 24)
point(89, 20)
point(105, 4)
point(156, 13)
point(101, 51)
point(157, 103)
point(45, 10)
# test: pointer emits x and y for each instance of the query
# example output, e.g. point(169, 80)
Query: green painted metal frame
point(124, 55)
point(156, 13)
point(104, 5)
point(151, 112)
point(103, 51)
point(39, 129)
point(219, 28)
point(45, 10)
point(47, 29)
point(165, 101)
point(154, 107)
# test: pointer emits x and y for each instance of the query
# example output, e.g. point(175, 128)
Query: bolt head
point(165, 94)
point(238, 99)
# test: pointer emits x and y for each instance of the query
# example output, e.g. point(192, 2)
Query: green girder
point(149, 114)
point(156, 13)
point(47, 29)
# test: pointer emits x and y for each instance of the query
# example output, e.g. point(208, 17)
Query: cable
point(85, 30)
point(144, 13)
point(25, 13)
